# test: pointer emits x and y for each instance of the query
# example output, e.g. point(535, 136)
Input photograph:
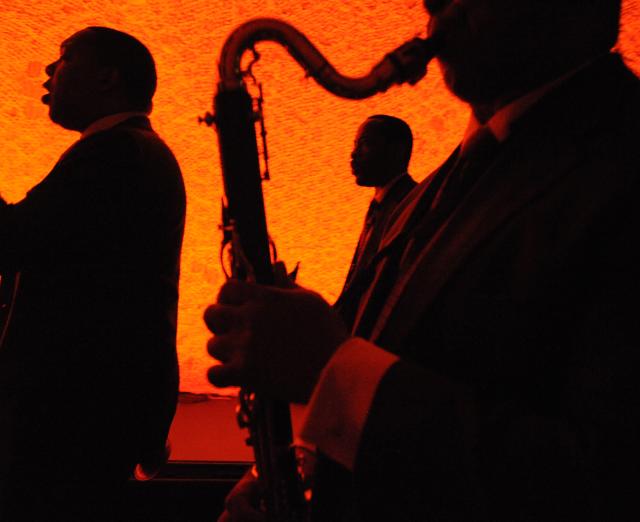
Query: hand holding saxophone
point(272, 340)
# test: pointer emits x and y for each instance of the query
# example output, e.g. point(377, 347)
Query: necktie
point(370, 222)
point(345, 303)
point(365, 235)
point(474, 158)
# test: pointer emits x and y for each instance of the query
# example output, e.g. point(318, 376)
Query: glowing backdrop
point(313, 206)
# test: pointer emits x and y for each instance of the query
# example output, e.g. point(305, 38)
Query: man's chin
point(478, 87)
point(53, 116)
point(469, 92)
point(362, 182)
point(46, 99)
point(65, 123)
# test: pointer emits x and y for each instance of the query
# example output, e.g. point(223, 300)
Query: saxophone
point(244, 221)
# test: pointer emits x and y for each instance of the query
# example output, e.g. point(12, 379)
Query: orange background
point(314, 208)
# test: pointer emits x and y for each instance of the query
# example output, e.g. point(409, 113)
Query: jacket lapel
point(406, 211)
point(420, 196)
point(504, 190)
point(515, 179)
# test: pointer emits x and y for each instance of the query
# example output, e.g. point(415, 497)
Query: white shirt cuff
point(340, 403)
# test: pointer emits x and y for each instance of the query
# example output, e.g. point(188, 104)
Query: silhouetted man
point(492, 371)
point(380, 159)
point(88, 369)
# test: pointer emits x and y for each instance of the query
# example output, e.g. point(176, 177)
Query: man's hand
point(270, 339)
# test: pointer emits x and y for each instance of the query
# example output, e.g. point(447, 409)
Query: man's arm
point(78, 199)
point(419, 444)
point(275, 340)
point(341, 400)
point(384, 418)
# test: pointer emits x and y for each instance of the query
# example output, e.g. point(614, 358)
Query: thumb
point(280, 277)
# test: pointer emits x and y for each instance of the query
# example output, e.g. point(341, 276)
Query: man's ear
point(399, 154)
point(109, 78)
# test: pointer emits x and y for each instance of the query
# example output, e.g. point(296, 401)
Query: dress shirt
point(374, 208)
point(381, 192)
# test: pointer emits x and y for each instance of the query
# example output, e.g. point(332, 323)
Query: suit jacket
point(88, 372)
point(516, 396)
point(365, 252)
point(368, 246)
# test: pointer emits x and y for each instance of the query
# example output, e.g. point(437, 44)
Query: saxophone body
point(244, 218)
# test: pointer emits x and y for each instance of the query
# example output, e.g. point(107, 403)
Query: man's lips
point(355, 168)
point(47, 96)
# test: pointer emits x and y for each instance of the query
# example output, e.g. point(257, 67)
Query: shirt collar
point(500, 123)
point(109, 121)
point(381, 192)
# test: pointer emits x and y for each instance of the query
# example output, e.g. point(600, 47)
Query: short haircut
point(131, 59)
point(397, 132)
point(606, 13)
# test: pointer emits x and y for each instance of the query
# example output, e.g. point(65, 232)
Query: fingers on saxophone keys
point(223, 319)
point(231, 350)
point(236, 292)
point(228, 374)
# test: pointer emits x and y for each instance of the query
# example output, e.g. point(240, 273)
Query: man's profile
point(88, 367)
point(380, 159)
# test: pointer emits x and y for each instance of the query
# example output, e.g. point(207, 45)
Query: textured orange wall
point(313, 207)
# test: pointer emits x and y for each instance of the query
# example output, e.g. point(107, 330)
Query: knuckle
point(214, 376)
point(212, 346)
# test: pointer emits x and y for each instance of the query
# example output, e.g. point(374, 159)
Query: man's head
point(100, 71)
point(495, 50)
point(381, 151)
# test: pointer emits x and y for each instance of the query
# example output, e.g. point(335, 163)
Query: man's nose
point(51, 68)
point(433, 6)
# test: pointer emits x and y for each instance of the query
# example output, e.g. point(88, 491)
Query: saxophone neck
point(406, 64)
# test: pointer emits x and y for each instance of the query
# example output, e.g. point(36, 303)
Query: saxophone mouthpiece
point(432, 45)
point(412, 58)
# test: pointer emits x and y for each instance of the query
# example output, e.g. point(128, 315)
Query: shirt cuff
point(340, 403)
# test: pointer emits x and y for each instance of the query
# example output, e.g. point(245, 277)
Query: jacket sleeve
point(556, 440)
point(337, 411)
point(74, 201)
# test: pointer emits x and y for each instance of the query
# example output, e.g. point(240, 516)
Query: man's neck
point(107, 122)
point(499, 116)
point(381, 192)
point(484, 111)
